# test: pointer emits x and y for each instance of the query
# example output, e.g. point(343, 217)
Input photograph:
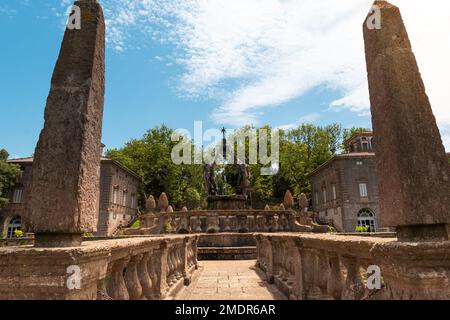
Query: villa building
point(345, 189)
point(117, 206)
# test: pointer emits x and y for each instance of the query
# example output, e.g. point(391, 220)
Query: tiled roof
point(344, 155)
point(356, 154)
point(21, 160)
point(29, 160)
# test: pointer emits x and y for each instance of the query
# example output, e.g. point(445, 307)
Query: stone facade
point(118, 197)
point(345, 190)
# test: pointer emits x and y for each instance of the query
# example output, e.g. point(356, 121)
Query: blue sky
point(223, 62)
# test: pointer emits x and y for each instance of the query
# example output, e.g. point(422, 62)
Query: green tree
point(303, 149)
point(150, 158)
point(9, 174)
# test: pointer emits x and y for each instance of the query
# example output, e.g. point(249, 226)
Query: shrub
point(362, 228)
point(18, 233)
point(88, 235)
point(136, 224)
point(167, 228)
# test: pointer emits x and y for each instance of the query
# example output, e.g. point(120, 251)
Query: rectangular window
point(324, 191)
point(124, 199)
point(363, 190)
point(116, 195)
point(133, 201)
point(17, 196)
point(365, 146)
point(334, 192)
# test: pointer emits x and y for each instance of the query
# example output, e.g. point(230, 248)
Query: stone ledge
point(330, 266)
point(227, 253)
point(33, 273)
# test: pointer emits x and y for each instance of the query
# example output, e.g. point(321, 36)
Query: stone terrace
point(230, 280)
point(63, 202)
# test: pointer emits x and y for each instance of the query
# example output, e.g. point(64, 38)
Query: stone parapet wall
point(311, 266)
point(242, 221)
point(121, 269)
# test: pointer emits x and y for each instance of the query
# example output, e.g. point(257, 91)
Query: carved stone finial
point(266, 208)
point(288, 201)
point(169, 209)
point(163, 202)
point(281, 207)
point(304, 203)
point(184, 209)
point(150, 204)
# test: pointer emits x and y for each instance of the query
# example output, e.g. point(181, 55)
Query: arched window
point(14, 224)
point(366, 217)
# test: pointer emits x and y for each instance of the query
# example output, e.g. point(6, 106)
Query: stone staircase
point(227, 246)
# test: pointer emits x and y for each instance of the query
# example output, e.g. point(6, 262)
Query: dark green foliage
point(302, 150)
point(8, 176)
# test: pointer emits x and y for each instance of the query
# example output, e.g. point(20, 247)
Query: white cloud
point(255, 54)
point(309, 118)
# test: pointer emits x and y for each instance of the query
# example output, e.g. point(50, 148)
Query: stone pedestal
point(63, 192)
point(229, 202)
point(414, 186)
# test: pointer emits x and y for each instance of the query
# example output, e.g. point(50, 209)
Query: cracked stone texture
point(229, 280)
point(63, 195)
point(414, 188)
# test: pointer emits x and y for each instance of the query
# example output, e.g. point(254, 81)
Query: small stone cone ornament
point(184, 209)
point(163, 202)
point(169, 209)
point(281, 207)
point(304, 203)
point(150, 204)
point(267, 208)
point(288, 201)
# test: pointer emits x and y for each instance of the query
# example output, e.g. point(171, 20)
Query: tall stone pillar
point(412, 166)
point(64, 189)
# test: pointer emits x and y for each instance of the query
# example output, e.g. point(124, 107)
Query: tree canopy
point(302, 150)
point(9, 174)
point(150, 158)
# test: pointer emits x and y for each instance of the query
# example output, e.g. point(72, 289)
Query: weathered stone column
point(64, 189)
point(414, 184)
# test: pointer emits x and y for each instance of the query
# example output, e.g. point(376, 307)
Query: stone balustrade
point(312, 266)
point(214, 221)
point(134, 268)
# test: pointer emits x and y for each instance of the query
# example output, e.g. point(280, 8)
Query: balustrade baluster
point(144, 276)
point(117, 288)
point(334, 283)
point(131, 278)
point(354, 287)
point(178, 262)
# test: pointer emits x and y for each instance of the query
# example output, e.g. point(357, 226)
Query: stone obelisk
point(63, 196)
point(413, 169)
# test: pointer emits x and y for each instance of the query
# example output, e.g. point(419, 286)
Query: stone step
point(227, 253)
